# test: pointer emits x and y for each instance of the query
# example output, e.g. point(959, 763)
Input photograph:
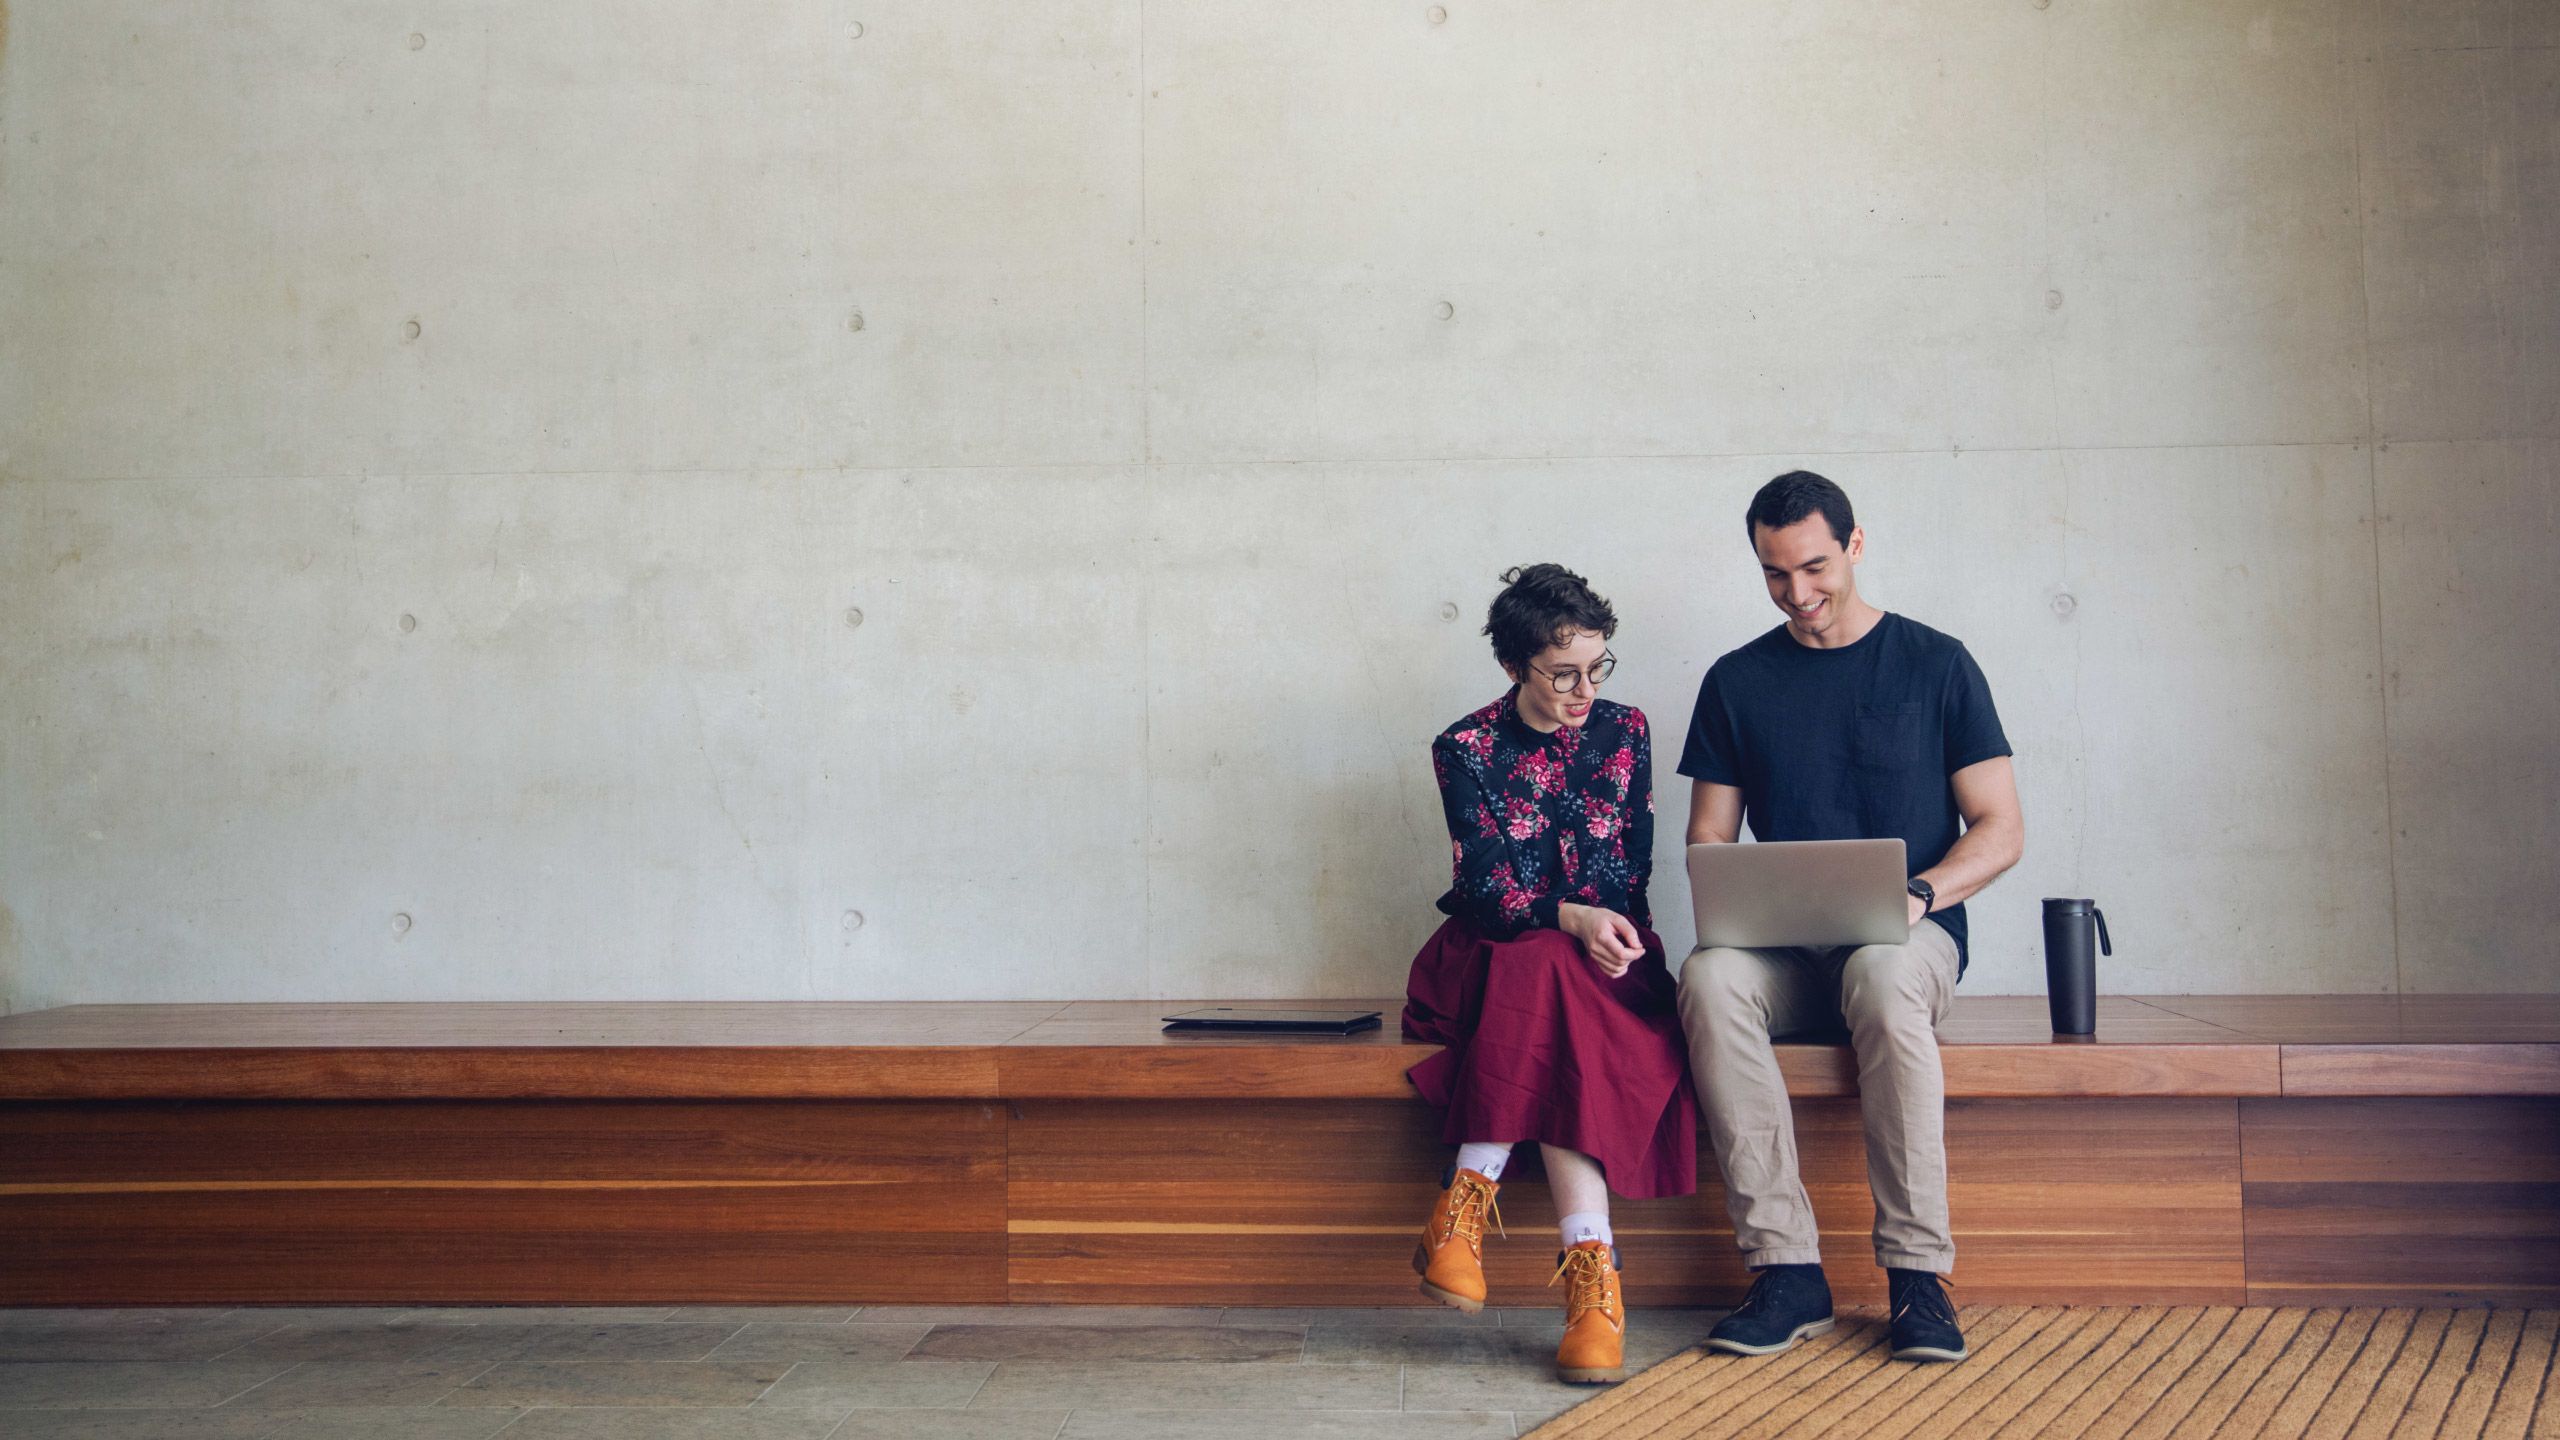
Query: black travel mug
point(2075, 934)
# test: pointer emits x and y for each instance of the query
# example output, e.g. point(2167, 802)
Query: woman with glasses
point(1545, 985)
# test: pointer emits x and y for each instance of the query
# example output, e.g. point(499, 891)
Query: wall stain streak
point(4, 90)
point(8, 960)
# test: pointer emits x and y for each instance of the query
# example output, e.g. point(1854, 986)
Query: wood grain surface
point(1285, 1203)
point(2197, 1150)
point(767, 1072)
point(1993, 1046)
point(2377, 1201)
point(2009, 1071)
point(2510, 1068)
point(2375, 1019)
point(2351, 1200)
point(1239, 1068)
point(510, 1202)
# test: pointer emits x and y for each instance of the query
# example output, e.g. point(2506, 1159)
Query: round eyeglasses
point(1569, 679)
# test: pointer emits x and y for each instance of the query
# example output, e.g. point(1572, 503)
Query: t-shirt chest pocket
point(1892, 735)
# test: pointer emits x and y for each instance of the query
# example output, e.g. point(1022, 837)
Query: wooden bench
point(2203, 1149)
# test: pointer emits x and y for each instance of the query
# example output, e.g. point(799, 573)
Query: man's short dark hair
point(1791, 497)
point(1539, 606)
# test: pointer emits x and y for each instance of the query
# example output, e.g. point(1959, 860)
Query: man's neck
point(1858, 619)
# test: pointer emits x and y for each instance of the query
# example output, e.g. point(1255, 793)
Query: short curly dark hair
point(1788, 499)
point(1539, 606)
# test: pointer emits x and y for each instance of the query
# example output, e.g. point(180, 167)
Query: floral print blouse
point(1536, 821)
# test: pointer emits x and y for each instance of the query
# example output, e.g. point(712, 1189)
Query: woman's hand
point(1609, 939)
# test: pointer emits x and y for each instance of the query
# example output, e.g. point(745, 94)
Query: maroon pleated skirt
point(1543, 1046)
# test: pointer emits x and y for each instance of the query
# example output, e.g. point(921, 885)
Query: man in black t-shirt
point(1845, 723)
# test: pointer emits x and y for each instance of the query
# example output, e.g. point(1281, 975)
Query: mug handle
point(2105, 946)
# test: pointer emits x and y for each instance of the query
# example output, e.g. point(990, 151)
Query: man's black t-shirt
point(1849, 744)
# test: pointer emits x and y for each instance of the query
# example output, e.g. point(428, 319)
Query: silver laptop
point(1800, 892)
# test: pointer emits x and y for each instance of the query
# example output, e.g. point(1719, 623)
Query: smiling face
point(1542, 707)
point(1812, 577)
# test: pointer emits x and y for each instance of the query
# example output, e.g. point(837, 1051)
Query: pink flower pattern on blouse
point(1537, 820)
point(1522, 819)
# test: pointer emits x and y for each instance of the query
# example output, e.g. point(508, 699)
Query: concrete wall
point(769, 498)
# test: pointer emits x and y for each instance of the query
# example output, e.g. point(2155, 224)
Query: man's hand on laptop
point(1608, 938)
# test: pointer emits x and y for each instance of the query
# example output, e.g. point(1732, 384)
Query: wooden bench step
point(2225, 1150)
point(1993, 1047)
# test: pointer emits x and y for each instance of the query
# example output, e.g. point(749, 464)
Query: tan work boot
point(1594, 1349)
point(1450, 1258)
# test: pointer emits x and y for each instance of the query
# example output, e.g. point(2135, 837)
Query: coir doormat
point(2116, 1373)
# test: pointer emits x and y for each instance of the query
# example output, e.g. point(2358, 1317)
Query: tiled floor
point(791, 1373)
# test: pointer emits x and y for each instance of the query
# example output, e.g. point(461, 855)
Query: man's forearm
point(1715, 814)
point(1978, 857)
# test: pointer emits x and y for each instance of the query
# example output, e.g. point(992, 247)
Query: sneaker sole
point(1930, 1354)
point(1460, 1303)
point(1592, 1377)
point(1801, 1333)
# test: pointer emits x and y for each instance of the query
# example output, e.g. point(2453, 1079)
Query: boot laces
point(1928, 1300)
point(1589, 1273)
point(1757, 1299)
point(1470, 1207)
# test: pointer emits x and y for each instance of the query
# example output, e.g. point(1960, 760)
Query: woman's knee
point(1541, 949)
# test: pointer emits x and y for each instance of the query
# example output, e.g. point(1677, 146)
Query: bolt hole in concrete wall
point(1161, 390)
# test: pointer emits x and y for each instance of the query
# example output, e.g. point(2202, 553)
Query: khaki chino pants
point(1890, 997)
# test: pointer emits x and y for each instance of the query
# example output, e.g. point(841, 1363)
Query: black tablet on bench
point(1304, 1022)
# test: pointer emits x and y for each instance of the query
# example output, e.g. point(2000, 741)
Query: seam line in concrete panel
point(2374, 522)
point(1146, 243)
point(2044, 224)
point(1259, 462)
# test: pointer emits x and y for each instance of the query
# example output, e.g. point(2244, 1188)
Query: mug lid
point(2058, 903)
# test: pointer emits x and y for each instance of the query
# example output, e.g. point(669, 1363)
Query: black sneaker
point(1924, 1319)
point(1786, 1304)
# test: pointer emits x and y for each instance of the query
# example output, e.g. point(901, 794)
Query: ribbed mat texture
point(2130, 1373)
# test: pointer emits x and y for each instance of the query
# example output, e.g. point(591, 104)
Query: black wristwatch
point(1927, 892)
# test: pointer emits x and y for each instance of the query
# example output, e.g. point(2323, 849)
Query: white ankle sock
point(1584, 1225)
point(1485, 1157)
